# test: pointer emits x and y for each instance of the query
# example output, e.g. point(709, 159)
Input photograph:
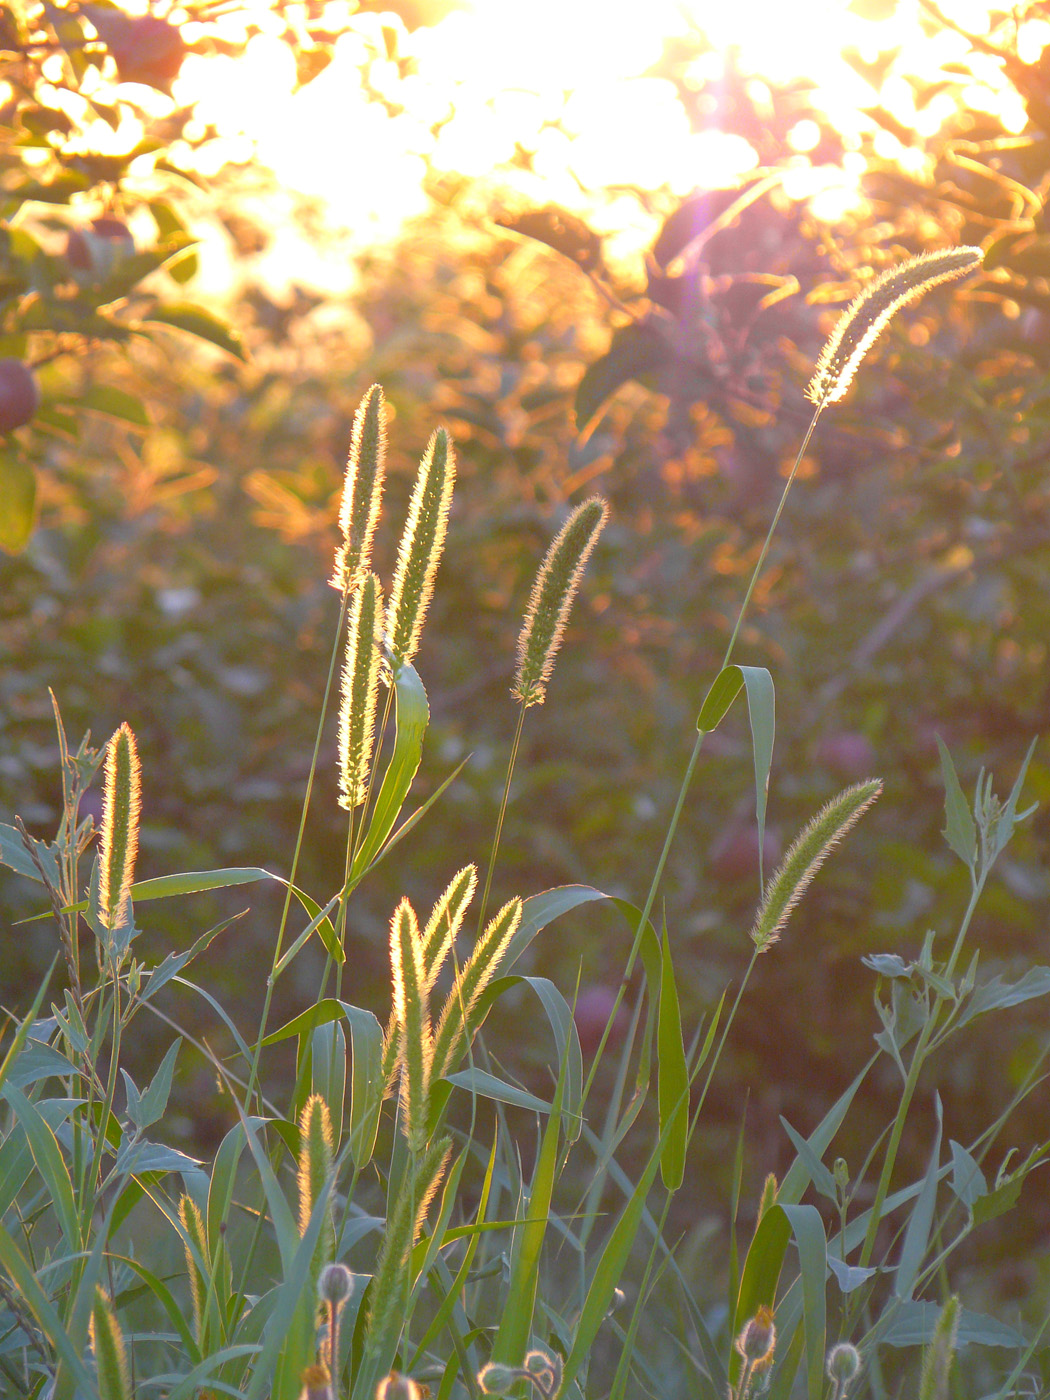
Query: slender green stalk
point(918, 1059)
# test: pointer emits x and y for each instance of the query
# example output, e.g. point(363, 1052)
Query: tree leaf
point(635, 350)
point(202, 324)
point(17, 502)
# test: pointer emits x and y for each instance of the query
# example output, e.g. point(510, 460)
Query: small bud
point(758, 1339)
point(335, 1284)
point(843, 1364)
point(317, 1384)
point(545, 1371)
point(397, 1387)
point(497, 1379)
point(840, 1171)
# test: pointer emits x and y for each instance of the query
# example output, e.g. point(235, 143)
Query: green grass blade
point(673, 1080)
point(808, 1230)
point(917, 1235)
point(413, 716)
point(51, 1165)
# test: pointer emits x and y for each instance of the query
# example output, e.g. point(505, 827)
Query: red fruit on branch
point(145, 48)
point(100, 248)
point(19, 394)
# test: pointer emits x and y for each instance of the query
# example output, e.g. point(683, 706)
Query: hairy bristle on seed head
point(421, 548)
point(806, 855)
point(362, 491)
point(869, 313)
point(552, 597)
point(119, 842)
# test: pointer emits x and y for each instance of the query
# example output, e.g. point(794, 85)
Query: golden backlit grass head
point(806, 855)
point(868, 314)
point(360, 692)
point(552, 597)
point(420, 550)
point(119, 842)
point(362, 491)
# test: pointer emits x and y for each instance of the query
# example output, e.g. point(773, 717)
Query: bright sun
point(565, 81)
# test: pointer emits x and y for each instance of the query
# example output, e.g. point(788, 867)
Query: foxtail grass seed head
point(806, 855)
point(757, 1340)
point(940, 1353)
point(868, 314)
point(420, 550)
point(360, 692)
point(315, 1170)
point(317, 1383)
point(454, 1026)
point(107, 1344)
point(412, 1014)
point(398, 1387)
point(119, 844)
point(446, 920)
point(362, 491)
point(192, 1222)
point(552, 597)
point(768, 1198)
point(390, 1283)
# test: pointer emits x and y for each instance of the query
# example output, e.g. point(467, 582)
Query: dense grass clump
point(410, 1215)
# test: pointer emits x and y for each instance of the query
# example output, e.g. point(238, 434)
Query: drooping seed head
point(362, 491)
point(868, 314)
point(360, 692)
point(552, 597)
point(421, 547)
point(805, 857)
point(119, 844)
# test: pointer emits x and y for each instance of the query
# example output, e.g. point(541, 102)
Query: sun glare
point(558, 98)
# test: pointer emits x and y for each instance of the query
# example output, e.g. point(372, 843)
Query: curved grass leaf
point(413, 716)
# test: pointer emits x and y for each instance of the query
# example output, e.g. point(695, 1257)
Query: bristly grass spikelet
point(119, 842)
point(107, 1343)
point(806, 855)
point(451, 1036)
point(390, 1283)
point(869, 313)
point(360, 692)
point(362, 491)
point(315, 1170)
point(437, 938)
point(446, 920)
point(412, 1015)
point(193, 1223)
point(940, 1353)
point(420, 550)
point(552, 597)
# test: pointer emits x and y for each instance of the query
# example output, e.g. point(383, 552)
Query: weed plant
point(386, 1232)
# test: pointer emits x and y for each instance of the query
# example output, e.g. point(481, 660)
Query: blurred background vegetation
point(604, 249)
